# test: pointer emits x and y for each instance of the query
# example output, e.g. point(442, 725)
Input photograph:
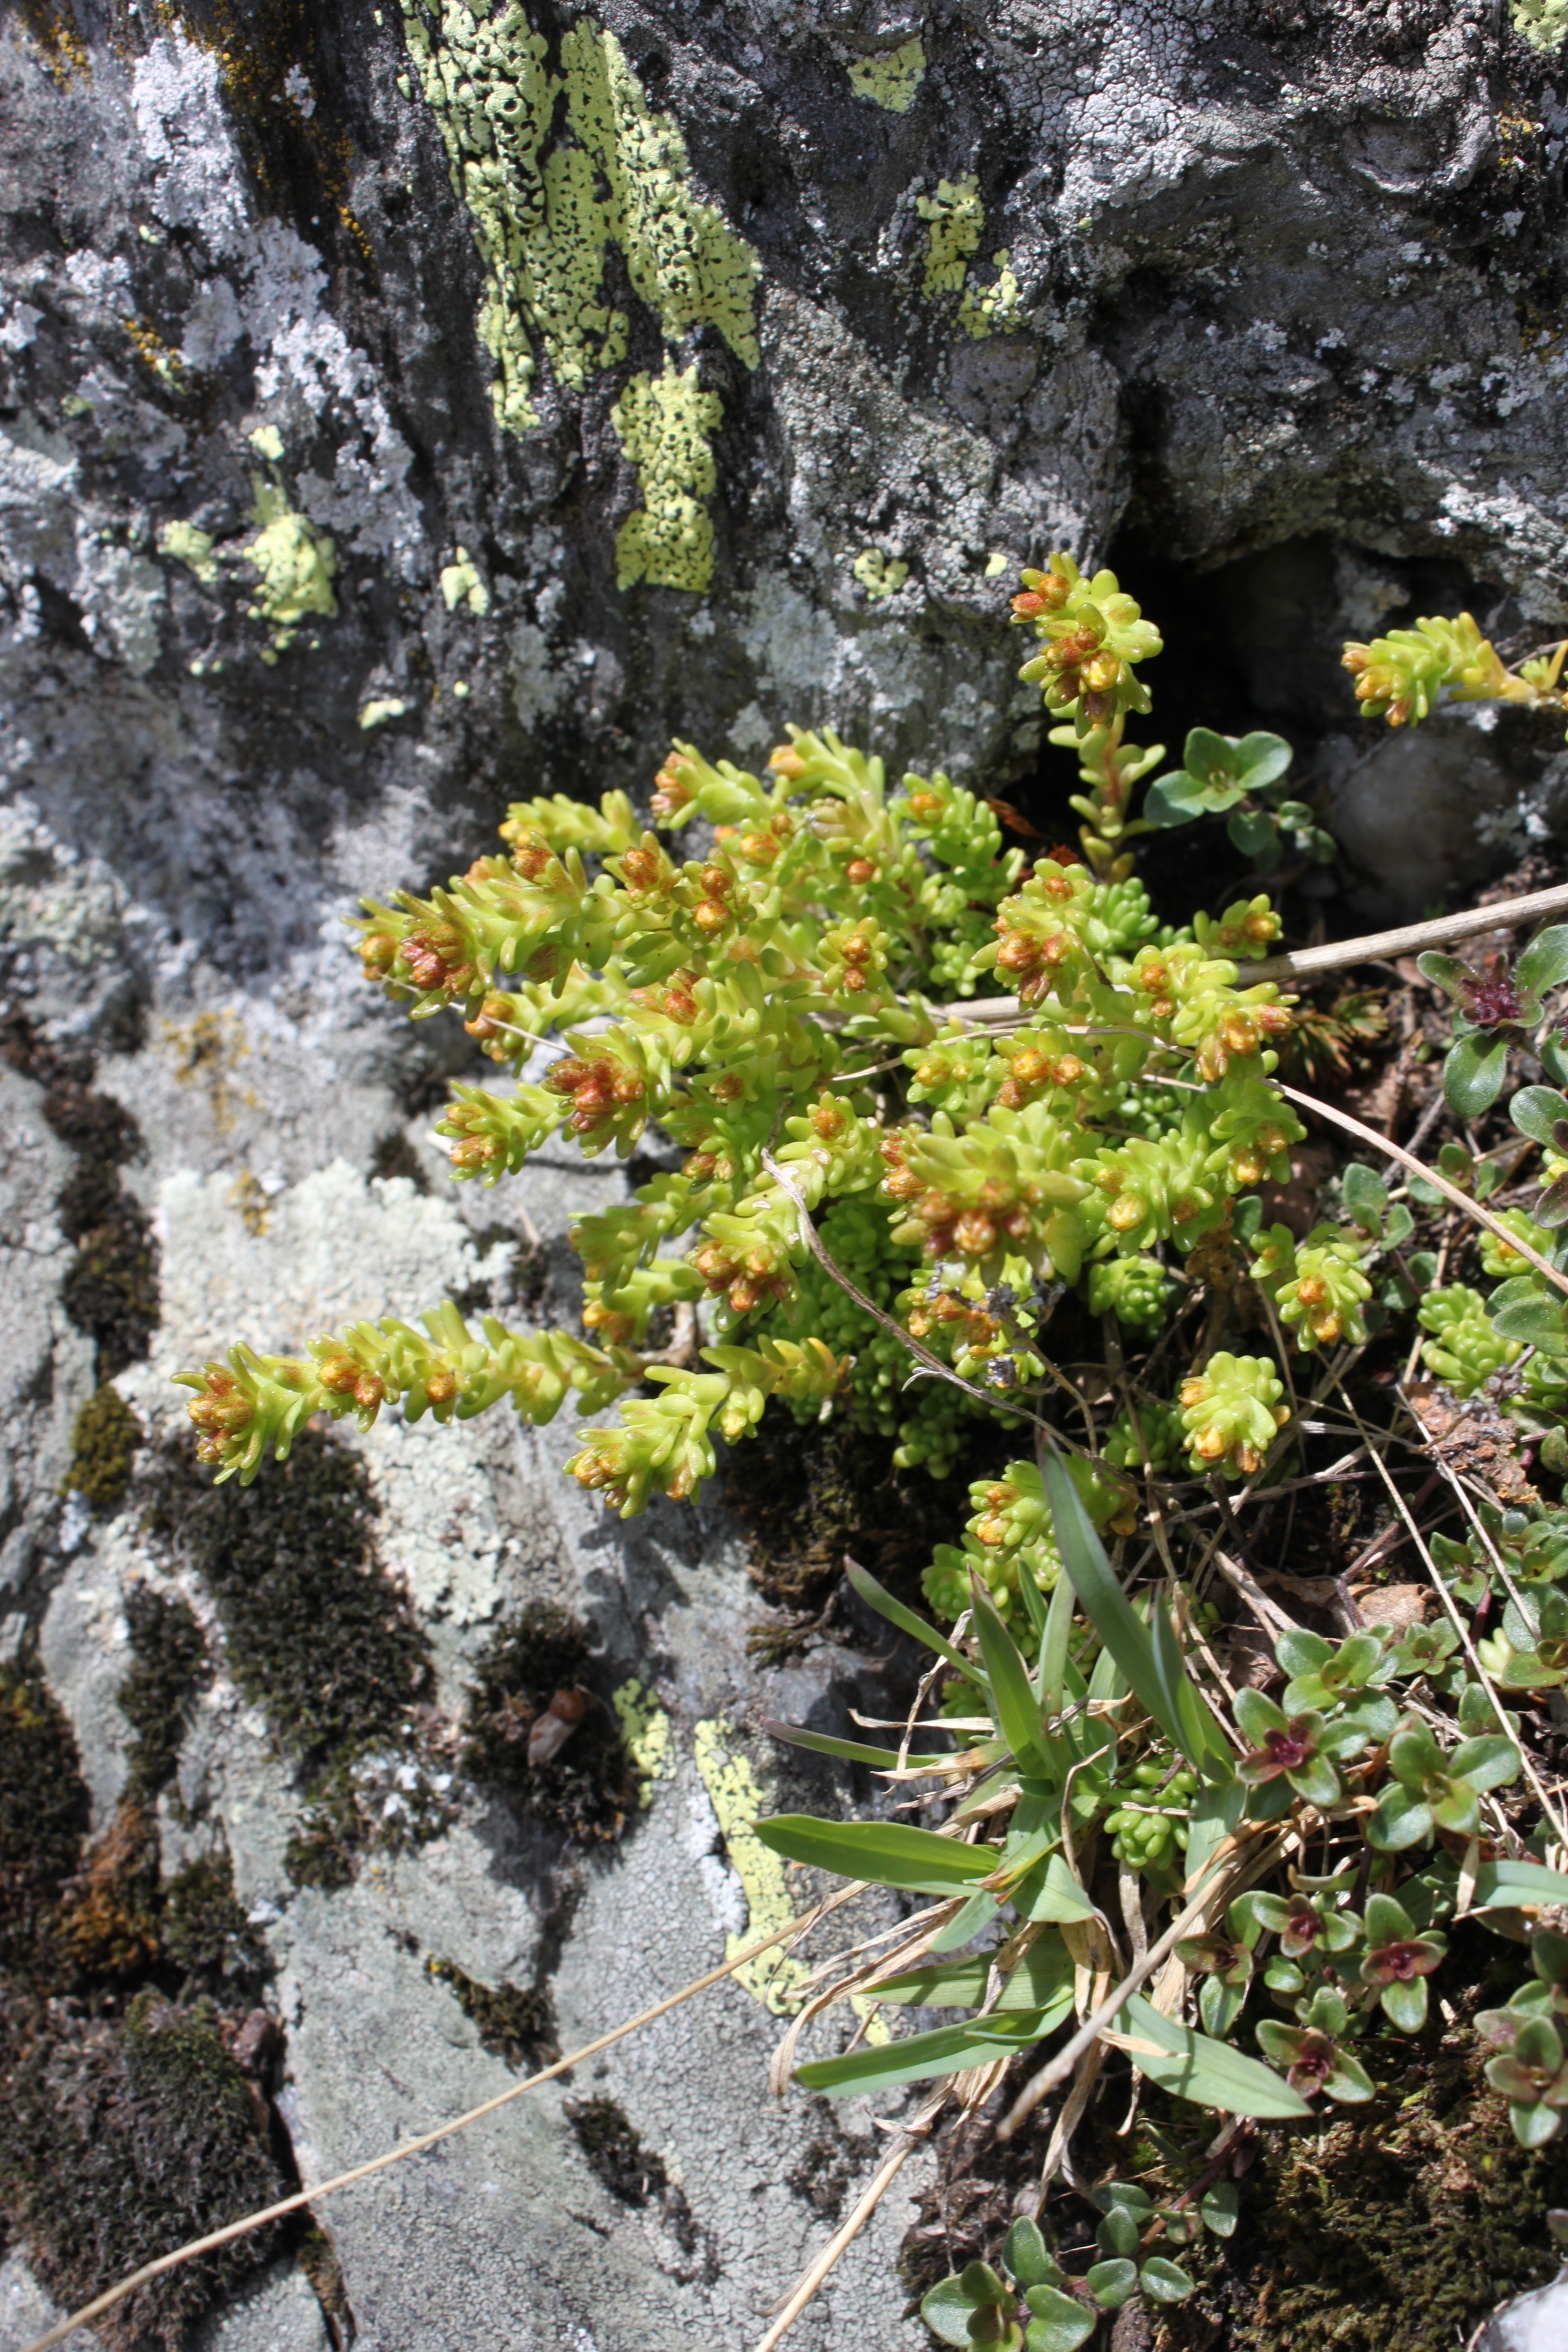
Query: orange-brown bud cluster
point(860, 870)
point(532, 856)
point(830, 1118)
point(378, 953)
point(1256, 931)
point(1043, 592)
point(672, 786)
point(749, 1281)
point(614, 1328)
point(673, 998)
point(1032, 1070)
point(341, 1376)
point(786, 761)
point(437, 957)
point(599, 1090)
point(1239, 1035)
point(1033, 959)
point(646, 873)
point(223, 1413)
point(937, 1314)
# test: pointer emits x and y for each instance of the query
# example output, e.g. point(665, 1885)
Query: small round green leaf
point(1118, 2232)
point(1110, 2283)
point(1537, 1110)
point(1165, 2281)
point(1060, 2322)
point(1221, 2207)
point(1544, 963)
point(945, 2308)
point(1026, 2255)
point(1404, 2005)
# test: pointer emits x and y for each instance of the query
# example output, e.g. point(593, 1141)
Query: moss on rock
point(316, 1633)
point(589, 1786)
point(169, 1665)
point(120, 2142)
point(103, 1450)
point(44, 1814)
point(205, 1930)
point(515, 2022)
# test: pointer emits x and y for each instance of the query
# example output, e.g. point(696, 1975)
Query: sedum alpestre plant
point(930, 1098)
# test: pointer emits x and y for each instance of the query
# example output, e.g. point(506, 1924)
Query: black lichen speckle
point(588, 1788)
point(515, 2022)
point(103, 1450)
point(169, 1665)
point(118, 2143)
point(44, 1814)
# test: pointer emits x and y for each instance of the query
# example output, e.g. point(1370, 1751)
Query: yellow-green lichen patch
point(645, 1733)
point(296, 564)
point(663, 424)
point(891, 78)
point(878, 574)
point(267, 442)
point(377, 712)
point(184, 543)
point(771, 1978)
point(462, 585)
point(956, 217)
point(554, 170)
point(995, 309)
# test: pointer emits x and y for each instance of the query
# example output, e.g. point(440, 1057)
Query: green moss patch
point(588, 1788)
point(1395, 2230)
point(111, 1292)
point(321, 1638)
point(169, 1665)
point(316, 1633)
point(103, 1450)
point(205, 1930)
point(120, 2142)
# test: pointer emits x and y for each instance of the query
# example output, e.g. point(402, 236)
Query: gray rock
point(1250, 295)
point(277, 2313)
point(1532, 2323)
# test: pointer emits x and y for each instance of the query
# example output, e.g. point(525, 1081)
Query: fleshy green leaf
point(1261, 759)
point(1026, 2255)
point(1210, 2073)
point(1544, 964)
point(1404, 2005)
point(1111, 2283)
point(1539, 1322)
point(887, 1853)
point(945, 2308)
point(1166, 2282)
point(1473, 1074)
point(1173, 800)
point(1537, 1111)
point(1060, 2322)
point(1221, 2208)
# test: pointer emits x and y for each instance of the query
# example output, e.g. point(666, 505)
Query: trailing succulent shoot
point(890, 1182)
point(749, 1001)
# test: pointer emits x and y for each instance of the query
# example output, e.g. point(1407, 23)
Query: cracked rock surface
point(1267, 295)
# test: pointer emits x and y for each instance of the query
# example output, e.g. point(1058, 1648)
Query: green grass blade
point(887, 1853)
point(926, 2057)
point(823, 1743)
point(1210, 2073)
point(1012, 1694)
point(876, 1596)
point(1109, 1610)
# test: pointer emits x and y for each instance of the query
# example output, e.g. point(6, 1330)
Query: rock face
point(403, 410)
